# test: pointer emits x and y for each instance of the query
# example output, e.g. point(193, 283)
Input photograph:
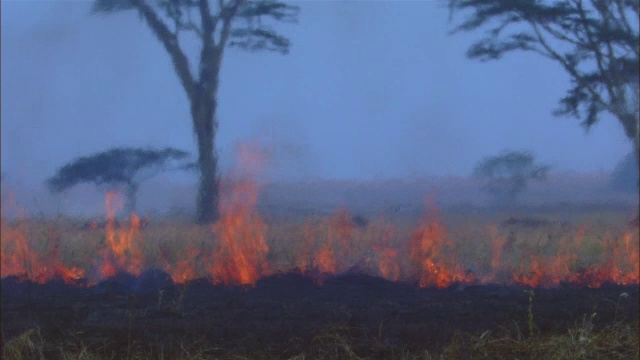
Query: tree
point(596, 43)
point(127, 167)
point(506, 175)
point(625, 175)
point(235, 23)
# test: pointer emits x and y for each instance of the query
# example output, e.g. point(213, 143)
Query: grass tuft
point(28, 345)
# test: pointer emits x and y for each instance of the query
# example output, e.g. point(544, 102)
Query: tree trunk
point(636, 151)
point(631, 125)
point(131, 198)
point(205, 125)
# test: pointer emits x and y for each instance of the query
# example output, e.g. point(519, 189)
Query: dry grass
point(470, 243)
point(583, 341)
point(28, 345)
point(616, 341)
point(593, 239)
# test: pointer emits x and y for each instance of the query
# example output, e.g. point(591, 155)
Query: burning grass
point(242, 248)
point(242, 257)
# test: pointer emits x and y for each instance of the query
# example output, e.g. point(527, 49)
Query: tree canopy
point(505, 176)
point(247, 29)
point(119, 167)
point(596, 42)
point(114, 166)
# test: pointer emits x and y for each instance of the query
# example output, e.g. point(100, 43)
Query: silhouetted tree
point(127, 167)
point(235, 23)
point(625, 175)
point(506, 175)
point(595, 42)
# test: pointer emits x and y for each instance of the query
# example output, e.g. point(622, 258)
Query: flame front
point(234, 250)
point(240, 257)
point(429, 267)
point(19, 258)
point(122, 253)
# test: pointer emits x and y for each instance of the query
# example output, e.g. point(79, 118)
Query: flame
point(426, 255)
point(18, 258)
point(387, 256)
point(426, 247)
point(325, 260)
point(388, 263)
point(240, 257)
point(184, 269)
point(16, 253)
point(334, 256)
point(122, 252)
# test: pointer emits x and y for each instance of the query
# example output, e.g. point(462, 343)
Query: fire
point(387, 256)
point(618, 263)
point(240, 257)
point(429, 268)
point(16, 254)
point(122, 252)
point(338, 247)
point(185, 269)
point(234, 250)
point(19, 258)
point(325, 260)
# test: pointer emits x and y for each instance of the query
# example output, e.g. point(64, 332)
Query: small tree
point(506, 175)
point(127, 167)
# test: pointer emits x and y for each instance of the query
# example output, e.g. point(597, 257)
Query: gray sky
point(370, 90)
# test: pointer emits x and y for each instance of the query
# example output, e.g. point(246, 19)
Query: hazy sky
point(370, 90)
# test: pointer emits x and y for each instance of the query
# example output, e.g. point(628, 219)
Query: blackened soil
point(287, 313)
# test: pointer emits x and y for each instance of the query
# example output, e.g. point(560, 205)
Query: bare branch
point(227, 14)
point(170, 43)
point(600, 42)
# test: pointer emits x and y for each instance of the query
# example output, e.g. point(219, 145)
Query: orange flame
point(387, 256)
point(18, 258)
point(123, 252)
point(538, 258)
point(426, 246)
point(241, 254)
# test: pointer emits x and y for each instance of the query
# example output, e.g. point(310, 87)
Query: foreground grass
point(583, 341)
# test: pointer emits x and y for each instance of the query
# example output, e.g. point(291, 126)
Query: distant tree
point(595, 42)
point(235, 23)
point(505, 176)
point(119, 167)
point(625, 175)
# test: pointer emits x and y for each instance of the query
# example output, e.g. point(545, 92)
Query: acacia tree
point(595, 42)
point(234, 23)
point(118, 167)
point(506, 175)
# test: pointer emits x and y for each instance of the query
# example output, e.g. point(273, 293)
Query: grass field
point(440, 252)
point(582, 341)
point(437, 249)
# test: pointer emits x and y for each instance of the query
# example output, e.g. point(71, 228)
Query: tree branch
point(227, 15)
point(593, 46)
point(170, 43)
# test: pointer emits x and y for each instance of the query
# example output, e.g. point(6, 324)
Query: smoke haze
point(371, 93)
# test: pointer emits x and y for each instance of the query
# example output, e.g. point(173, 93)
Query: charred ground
point(292, 313)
